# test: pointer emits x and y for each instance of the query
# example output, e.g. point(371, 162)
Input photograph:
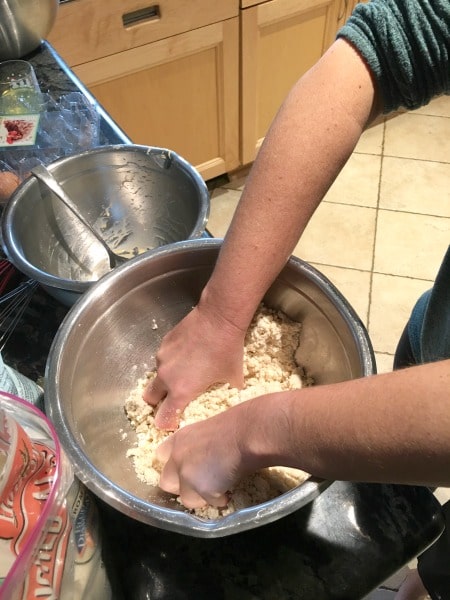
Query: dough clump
point(269, 366)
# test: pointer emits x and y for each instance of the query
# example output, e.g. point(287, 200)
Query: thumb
point(164, 450)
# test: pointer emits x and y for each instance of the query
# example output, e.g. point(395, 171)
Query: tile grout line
point(387, 209)
point(369, 304)
point(374, 271)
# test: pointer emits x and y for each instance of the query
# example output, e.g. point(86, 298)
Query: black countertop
point(341, 546)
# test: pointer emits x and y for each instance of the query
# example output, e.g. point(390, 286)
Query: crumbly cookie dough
point(269, 366)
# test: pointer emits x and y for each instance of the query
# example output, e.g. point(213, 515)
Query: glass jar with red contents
point(20, 103)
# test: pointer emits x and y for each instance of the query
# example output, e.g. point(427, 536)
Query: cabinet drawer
point(89, 29)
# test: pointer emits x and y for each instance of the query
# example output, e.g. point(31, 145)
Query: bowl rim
point(153, 514)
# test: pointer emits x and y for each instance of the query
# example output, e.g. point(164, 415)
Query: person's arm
point(311, 138)
point(391, 428)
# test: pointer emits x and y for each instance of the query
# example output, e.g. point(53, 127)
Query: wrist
point(265, 430)
point(223, 311)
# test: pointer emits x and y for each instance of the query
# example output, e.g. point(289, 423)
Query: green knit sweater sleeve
point(406, 44)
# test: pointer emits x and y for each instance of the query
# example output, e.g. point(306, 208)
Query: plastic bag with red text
point(49, 533)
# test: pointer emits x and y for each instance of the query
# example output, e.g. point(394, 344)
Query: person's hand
point(203, 349)
point(203, 461)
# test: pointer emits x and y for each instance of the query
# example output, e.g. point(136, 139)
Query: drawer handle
point(149, 13)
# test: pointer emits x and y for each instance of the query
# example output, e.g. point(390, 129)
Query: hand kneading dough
point(269, 366)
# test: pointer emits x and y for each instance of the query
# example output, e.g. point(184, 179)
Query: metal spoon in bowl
point(46, 177)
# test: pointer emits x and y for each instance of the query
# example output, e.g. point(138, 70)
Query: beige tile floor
point(382, 229)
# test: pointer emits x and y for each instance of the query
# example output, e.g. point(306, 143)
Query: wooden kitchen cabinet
point(177, 91)
point(346, 9)
point(281, 39)
point(180, 93)
point(202, 78)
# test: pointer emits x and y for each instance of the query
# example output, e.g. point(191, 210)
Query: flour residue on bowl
point(269, 366)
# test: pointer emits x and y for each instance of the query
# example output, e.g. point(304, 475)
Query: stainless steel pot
point(108, 341)
point(138, 197)
point(24, 24)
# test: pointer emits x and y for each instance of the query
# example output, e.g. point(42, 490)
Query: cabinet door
point(281, 39)
point(345, 10)
point(179, 93)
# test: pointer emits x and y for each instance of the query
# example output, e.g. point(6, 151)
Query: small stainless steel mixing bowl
point(23, 24)
point(137, 197)
point(108, 341)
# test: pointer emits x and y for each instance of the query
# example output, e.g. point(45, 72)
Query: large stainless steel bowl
point(24, 24)
point(108, 341)
point(138, 198)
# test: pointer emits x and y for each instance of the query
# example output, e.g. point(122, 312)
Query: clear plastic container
point(49, 531)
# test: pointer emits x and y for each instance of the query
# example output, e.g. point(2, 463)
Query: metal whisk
point(14, 302)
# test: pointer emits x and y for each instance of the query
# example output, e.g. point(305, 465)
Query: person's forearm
point(392, 428)
point(307, 145)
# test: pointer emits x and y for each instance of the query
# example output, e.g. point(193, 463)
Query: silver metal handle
point(135, 17)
